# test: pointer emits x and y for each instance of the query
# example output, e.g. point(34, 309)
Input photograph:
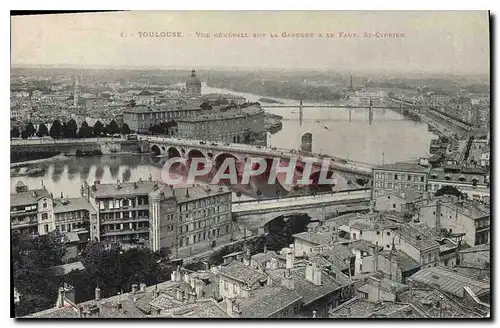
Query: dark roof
point(405, 262)
point(29, 197)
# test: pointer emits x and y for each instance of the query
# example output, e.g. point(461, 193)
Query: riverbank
point(57, 158)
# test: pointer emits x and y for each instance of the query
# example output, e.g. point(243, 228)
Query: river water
point(390, 138)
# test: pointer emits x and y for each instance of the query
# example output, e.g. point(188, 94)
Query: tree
point(42, 130)
point(85, 131)
point(98, 128)
point(14, 132)
point(112, 127)
point(206, 106)
point(70, 129)
point(30, 129)
point(24, 134)
point(31, 258)
point(56, 130)
point(449, 190)
point(125, 129)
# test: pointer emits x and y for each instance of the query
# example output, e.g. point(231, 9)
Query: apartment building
point(154, 215)
point(31, 211)
point(389, 177)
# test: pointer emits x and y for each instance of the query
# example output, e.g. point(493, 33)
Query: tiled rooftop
point(404, 261)
point(450, 281)
point(241, 272)
point(403, 167)
point(308, 290)
point(29, 197)
point(72, 204)
point(266, 301)
point(216, 116)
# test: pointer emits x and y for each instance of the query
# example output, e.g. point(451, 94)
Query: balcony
point(125, 232)
point(124, 208)
point(125, 220)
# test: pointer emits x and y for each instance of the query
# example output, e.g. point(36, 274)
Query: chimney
point(290, 258)
point(438, 214)
point(142, 287)
point(274, 263)
point(134, 288)
point(229, 306)
point(245, 292)
point(198, 288)
point(60, 297)
point(97, 293)
point(265, 248)
point(187, 192)
point(287, 280)
point(309, 272)
point(247, 260)
point(317, 271)
point(191, 297)
point(179, 294)
point(135, 185)
point(173, 276)
point(314, 314)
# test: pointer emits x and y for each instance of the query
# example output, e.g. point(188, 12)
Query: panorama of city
point(212, 192)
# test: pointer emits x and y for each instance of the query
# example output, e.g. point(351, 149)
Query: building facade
point(398, 176)
point(140, 118)
point(31, 211)
point(236, 126)
point(154, 215)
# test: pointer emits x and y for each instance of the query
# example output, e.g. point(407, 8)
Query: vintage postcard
point(250, 164)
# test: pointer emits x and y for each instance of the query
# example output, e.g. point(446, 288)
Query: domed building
point(193, 85)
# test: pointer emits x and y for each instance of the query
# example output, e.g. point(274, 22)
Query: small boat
point(35, 171)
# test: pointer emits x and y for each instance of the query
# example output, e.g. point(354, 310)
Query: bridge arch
point(155, 150)
point(173, 152)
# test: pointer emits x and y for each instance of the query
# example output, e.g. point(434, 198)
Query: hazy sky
point(448, 42)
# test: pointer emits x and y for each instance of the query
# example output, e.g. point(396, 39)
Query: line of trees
point(70, 129)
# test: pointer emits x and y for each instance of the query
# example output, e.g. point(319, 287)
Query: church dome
point(193, 80)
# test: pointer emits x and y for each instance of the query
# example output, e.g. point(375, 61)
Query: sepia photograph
point(250, 165)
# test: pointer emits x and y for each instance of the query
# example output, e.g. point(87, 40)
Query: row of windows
point(396, 186)
point(202, 203)
point(69, 226)
point(398, 176)
point(202, 224)
point(202, 236)
point(71, 215)
point(124, 215)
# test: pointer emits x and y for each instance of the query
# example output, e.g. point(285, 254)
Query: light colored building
point(473, 182)
point(401, 200)
point(31, 211)
point(238, 126)
point(73, 214)
point(457, 217)
point(140, 118)
point(155, 215)
point(389, 177)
